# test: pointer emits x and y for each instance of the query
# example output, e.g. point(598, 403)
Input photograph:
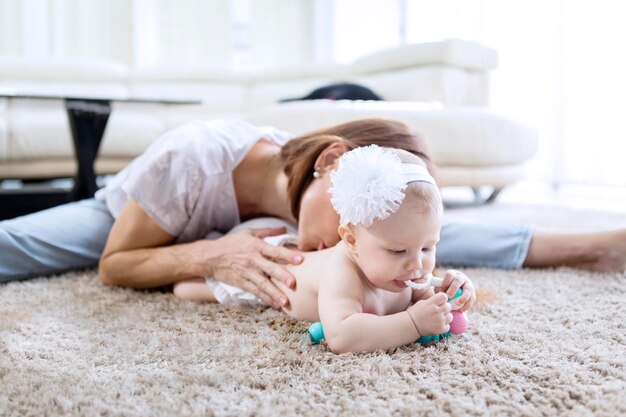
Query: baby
point(390, 218)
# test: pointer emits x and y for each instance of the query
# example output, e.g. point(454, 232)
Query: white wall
point(66, 28)
point(182, 34)
point(562, 66)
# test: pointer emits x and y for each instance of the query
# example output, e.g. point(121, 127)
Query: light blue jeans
point(72, 236)
point(59, 239)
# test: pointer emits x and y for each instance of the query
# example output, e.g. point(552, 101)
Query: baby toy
point(459, 321)
point(458, 324)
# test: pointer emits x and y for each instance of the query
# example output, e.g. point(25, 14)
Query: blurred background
point(561, 68)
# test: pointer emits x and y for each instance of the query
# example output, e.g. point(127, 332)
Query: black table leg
point(88, 119)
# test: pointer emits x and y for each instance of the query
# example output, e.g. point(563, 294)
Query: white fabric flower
point(367, 185)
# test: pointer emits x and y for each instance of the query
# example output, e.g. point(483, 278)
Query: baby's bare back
point(303, 300)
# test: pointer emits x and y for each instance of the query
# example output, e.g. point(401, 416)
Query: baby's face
point(399, 248)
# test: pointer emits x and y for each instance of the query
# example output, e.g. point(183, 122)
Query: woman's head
point(318, 152)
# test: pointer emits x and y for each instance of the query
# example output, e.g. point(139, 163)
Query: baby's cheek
point(431, 262)
point(385, 272)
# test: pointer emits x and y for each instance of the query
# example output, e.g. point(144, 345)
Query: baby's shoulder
point(340, 271)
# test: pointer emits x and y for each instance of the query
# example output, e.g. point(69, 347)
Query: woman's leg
point(599, 251)
point(483, 245)
point(62, 238)
point(510, 246)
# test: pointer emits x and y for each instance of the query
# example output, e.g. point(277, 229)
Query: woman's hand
point(245, 261)
point(431, 316)
point(452, 281)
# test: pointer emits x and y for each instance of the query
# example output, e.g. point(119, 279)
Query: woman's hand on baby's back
point(431, 316)
point(454, 280)
point(245, 261)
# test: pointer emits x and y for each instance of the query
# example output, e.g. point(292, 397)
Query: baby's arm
point(194, 289)
point(347, 328)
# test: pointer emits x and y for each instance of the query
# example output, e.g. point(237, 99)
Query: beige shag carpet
point(553, 342)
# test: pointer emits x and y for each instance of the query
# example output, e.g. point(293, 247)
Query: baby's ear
point(346, 233)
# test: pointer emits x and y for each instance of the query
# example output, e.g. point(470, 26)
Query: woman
point(209, 176)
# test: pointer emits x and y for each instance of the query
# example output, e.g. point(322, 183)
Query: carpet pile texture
point(550, 342)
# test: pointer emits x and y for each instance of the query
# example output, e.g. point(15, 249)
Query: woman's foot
point(600, 251)
point(607, 252)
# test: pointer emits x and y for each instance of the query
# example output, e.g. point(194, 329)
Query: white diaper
point(227, 294)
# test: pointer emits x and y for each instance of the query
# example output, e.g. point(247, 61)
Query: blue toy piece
point(316, 332)
point(433, 338)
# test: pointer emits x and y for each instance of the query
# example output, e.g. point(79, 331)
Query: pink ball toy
point(459, 322)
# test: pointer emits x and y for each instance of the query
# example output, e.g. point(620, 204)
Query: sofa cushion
point(219, 96)
point(66, 69)
point(495, 176)
point(68, 77)
point(463, 137)
point(130, 129)
point(65, 88)
point(38, 129)
point(268, 93)
point(454, 52)
point(423, 84)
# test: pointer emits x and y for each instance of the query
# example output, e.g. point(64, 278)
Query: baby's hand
point(431, 316)
point(452, 281)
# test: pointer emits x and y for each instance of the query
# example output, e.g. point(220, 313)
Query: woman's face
point(318, 222)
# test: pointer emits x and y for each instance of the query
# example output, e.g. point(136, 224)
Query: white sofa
point(440, 89)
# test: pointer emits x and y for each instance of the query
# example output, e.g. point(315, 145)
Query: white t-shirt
point(183, 181)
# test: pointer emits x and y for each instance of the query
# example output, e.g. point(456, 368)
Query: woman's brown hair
point(300, 153)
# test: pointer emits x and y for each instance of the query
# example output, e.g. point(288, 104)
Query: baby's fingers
point(454, 280)
point(439, 299)
point(466, 302)
point(468, 298)
point(460, 303)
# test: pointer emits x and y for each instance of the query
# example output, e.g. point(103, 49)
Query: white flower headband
point(369, 184)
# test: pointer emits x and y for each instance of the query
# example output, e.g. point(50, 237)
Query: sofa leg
point(480, 199)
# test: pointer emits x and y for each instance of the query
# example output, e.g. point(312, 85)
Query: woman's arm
point(139, 254)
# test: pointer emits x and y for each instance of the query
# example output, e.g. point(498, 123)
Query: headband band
point(416, 173)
